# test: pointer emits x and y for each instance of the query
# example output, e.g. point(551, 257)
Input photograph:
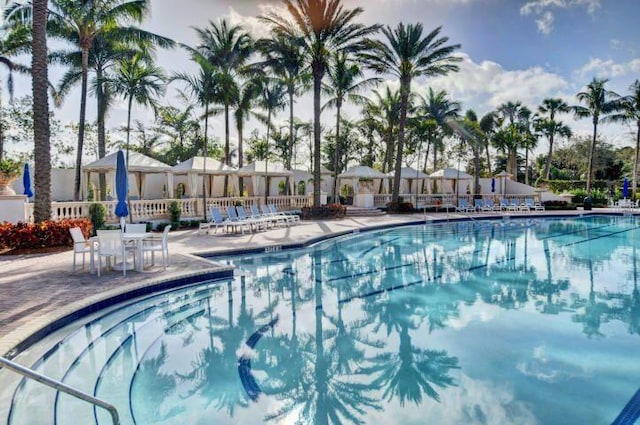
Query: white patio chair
point(235, 221)
point(158, 245)
point(110, 246)
point(135, 228)
point(80, 245)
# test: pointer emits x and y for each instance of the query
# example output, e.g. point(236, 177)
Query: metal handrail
point(57, 385)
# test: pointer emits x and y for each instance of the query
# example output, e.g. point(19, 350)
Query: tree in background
point(408, 55)
point(629, 112)
point(549, 127)
point(598, 103)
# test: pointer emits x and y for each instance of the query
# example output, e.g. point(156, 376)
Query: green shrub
point(559, 186)
point(10, 166)
point(174, 214)
point(191, 223)
point(324, 211)
point(97, 215)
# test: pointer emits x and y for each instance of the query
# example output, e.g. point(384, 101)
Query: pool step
point(362, 212)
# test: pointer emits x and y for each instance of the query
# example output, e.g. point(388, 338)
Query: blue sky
point(519, 50)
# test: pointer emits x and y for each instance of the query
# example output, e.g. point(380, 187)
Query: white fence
point(158, 209)
point(438, 200)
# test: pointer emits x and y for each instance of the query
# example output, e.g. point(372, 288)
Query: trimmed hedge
point(558, 206)
point(559, 186)
point(324, 211)
point(41, 235)
point(400, 207)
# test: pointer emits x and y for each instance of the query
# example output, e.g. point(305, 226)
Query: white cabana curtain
point(192, 181)
point(169, 185)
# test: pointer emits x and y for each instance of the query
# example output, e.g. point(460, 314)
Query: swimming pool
point(532, 321)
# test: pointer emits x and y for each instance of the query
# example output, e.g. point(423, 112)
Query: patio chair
point(255, 213)
point(80, 245)
point(154, 245)
point(135, 228)
point(478, 204)
point(110, 246)
point(504, 204)
point(291, 217)
point(463, 206)
point(514, 205)
point(215, 221)
point(489, 205)
point(532, 205)
point(257, 222)
point(235, 221)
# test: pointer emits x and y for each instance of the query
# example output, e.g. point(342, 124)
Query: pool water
point(488, 322)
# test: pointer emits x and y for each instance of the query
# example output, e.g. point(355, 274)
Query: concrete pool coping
point(39, 293)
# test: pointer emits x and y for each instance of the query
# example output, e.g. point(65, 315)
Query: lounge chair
point(463, 206)
point(514, 205)
point(478, 204)
point(275, 219)
point(216, 221)
point(236, 222)
point(489, 205)
point(257, 221)
point(531, 205)
point(291, 218)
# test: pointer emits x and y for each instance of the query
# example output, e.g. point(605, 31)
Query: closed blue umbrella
point(625, 188)
point(26, 181)
point(122, 186)
point(493, 185)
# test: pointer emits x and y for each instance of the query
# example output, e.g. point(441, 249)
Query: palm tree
point(346, 79)
point(40, 79)
point(512, 132)
point(409, 55)
point(325, 27)
point(549, 127)
point(488, 125)
point(228, 48)
point(630, 113)
point(385, 108)
point(599, 103)
point(272, 99)
point(469, 132)
point(135, 79)
point(81, 22)
point(437, 106)
point(203, 86)
point(247, 95)
point(14, 42)
point(285, 57)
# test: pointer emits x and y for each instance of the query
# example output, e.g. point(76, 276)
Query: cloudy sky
point(522, 50)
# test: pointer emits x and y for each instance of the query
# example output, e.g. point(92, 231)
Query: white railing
point(158, 209)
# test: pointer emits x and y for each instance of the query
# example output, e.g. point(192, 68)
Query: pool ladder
point(59, 386)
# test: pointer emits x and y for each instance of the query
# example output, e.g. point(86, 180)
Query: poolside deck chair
point(216, 221)
point(236, 222)
point(258, 222)
point(292, 218)
point(255, 213)
point(478, 204)
point(489, 205)
point(463, 206)
point(80, 245)
point(532, 205)
point(514, 205)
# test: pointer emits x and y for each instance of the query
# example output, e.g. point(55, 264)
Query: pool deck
point(36, 290)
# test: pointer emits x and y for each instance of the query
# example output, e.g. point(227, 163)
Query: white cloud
point(597, 67)
point(543, 10)
point(487, 84)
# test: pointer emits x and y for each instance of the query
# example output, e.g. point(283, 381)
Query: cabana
point(326, 180)
point(411, 180)
point(215, 172)
point(363, 179)
point(140, 166)
point(450, 179)
point(265, 176)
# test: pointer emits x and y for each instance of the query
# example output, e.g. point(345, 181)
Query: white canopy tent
point(326, 179)
point(409, 178)
point(263, 176)
point(451, 176)
point(215, 172)
point(358, 173)
point(139, 166)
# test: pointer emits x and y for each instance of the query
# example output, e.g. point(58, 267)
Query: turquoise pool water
point(510, 322)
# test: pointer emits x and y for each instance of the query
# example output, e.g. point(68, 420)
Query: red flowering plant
point(41, 235)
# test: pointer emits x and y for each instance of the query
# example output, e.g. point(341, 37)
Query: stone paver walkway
point(35, 290)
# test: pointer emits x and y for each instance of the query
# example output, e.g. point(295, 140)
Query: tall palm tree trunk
point(128, 140)
point(1, 131)
point(547, 165)
point(526, 166)
point(42, 151)
point(336, 159)
point(317, 85)
point(592, 150)
point(488, 160)
point(240, 128)
point(476, 167)
point(290, 146)
point(635, 162)
point(266, 158)
point(102, 110)
point(227, 151)
point(81, 122)
point(205, 153)
point(405, 87)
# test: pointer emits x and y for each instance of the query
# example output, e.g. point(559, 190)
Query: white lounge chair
point(236, 222)
point(216, 221)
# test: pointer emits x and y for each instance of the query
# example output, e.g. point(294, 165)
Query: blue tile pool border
point(152, 288)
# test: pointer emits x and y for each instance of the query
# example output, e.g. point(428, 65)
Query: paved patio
point(36, 290)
